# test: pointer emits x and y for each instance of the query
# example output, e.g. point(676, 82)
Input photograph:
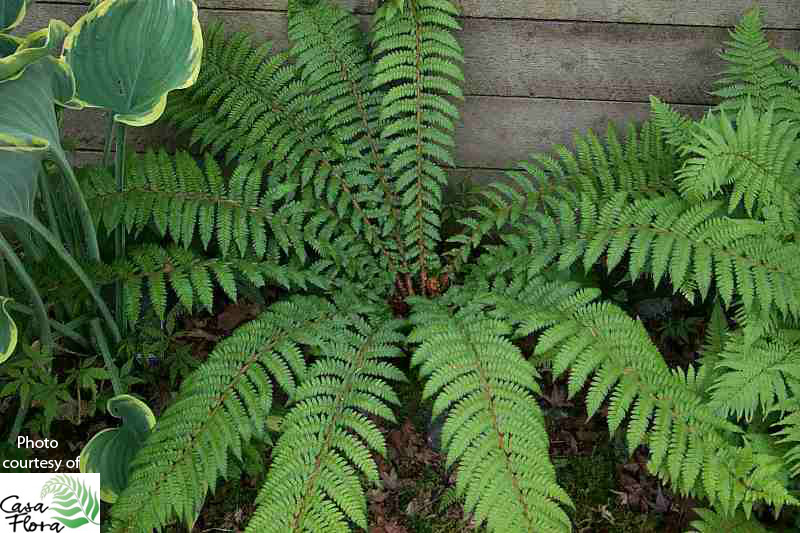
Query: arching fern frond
point(419, 65)
point(688, 242)
point(690, 445)
point(754, 378)
point(184, 201)
point(152, 271)
point(494, 429)
point(752, 67)
point(221, 405)
point(313, 484)
point(643, 166)
point(758, 157)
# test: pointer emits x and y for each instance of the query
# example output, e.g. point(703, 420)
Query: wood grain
point(552, 59)
point(783, 14)
point(495, 132)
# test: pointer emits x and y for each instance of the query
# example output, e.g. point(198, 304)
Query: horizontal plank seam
point(468, 17)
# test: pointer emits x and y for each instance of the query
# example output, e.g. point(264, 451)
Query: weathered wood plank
point(554, 59)
point(783, 14)
point(495, 133)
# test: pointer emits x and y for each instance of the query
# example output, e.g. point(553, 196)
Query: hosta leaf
point(12, 12)
point(109, 453)
point(128, 54)
point(29, 131)
point(16, 54)
point(8, 332)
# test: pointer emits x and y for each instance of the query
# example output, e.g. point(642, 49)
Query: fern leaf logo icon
point(76, 503)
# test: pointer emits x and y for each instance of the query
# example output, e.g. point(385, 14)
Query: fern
point(418, 60)
point(326, 439)
point(711, 522)
point(752, 71)
point(322, 169)
point(220, 407)
point(494, 429)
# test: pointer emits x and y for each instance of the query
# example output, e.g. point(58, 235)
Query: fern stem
point(102, 344)
point(119, 233)
point(45, 334)
point(423, 250)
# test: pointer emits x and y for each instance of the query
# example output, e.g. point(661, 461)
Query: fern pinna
point(322, 168)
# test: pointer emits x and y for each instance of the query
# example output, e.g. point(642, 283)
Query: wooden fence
point(537, 70)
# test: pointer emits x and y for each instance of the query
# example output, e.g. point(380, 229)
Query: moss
point(590, 480)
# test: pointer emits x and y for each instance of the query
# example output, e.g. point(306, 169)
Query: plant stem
point(65, 256)
point(25, 402)
point(45, 335)
point(109, 139)
point(64, 329)
point(119, 234)
point(3, 278)
point(83, 210)
point(102, 343)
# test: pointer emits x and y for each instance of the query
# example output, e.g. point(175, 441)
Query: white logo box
point(49, 502)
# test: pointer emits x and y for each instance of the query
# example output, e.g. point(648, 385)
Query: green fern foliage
point(690, 445)
point(418, 64)
point(711, 522)
point(756, 378)
point(752, 68)
point(494, 430)
point(185, 202)
point(219, 407)
point(324, 449)
point(757, 158)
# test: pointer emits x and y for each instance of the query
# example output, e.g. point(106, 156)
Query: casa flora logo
point(49, 502)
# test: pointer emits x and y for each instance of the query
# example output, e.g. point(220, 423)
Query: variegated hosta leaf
point(8, 332)
point(128, 54)
point(12, 12)
point(28, 130)
point(16, 53)
point(109, 453)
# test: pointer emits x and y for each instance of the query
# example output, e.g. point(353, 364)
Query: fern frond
point(751, 71)
point(690, 445)
point(713, 522)
point(688, 242)
point(758, 158)
point(494, 429)
point(419, 65)
point(185, 202)
point(219, 406)
point(643, 167)
point(755, 378)
point(152, 271)
point(313, 484)
point(332, 53)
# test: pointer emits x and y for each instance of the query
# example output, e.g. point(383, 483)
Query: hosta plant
point(322, 169)
point(43, 213)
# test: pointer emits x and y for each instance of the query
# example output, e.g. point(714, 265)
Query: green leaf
point(109, 453)
point(128, 54)
point(29, 130)
point(8, 332)
point(12, 12)
point(16, 54)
